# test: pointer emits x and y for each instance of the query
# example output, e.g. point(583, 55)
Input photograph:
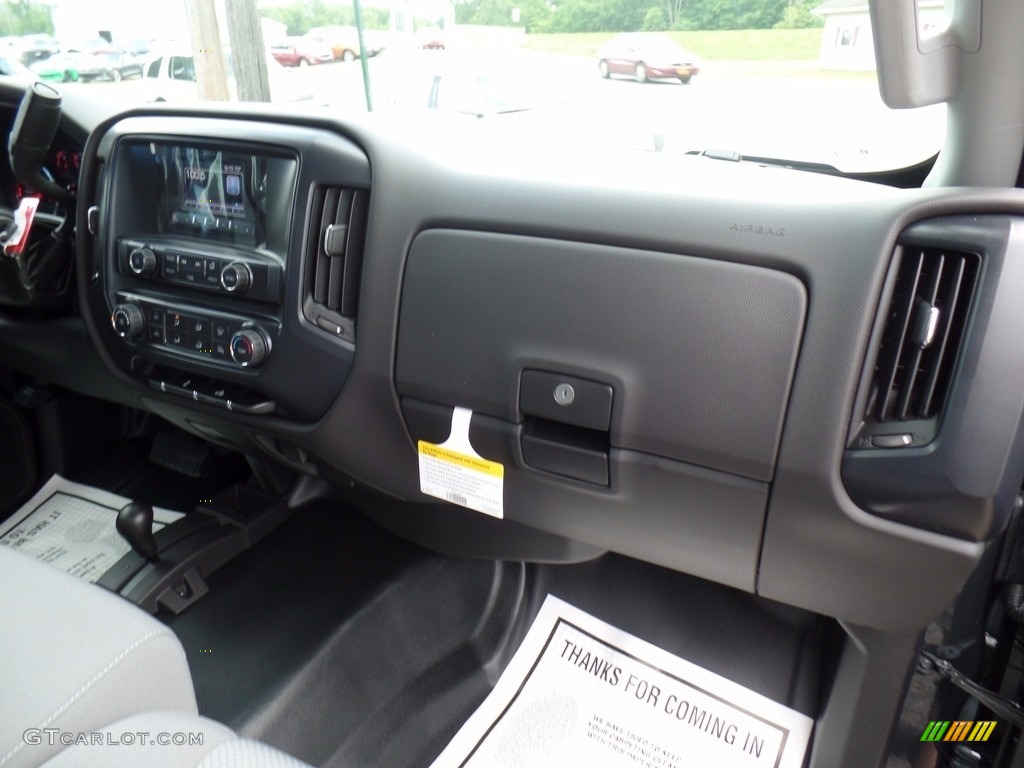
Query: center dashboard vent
point(334, 255)
point(920, 345)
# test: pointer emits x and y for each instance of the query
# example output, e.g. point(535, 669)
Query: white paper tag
point(582, 692)
point(72, 527)
point(453, 471)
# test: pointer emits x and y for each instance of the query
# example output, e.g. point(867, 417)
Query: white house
point(846, 41)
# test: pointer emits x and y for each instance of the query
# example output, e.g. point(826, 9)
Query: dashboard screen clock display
point(214, 182)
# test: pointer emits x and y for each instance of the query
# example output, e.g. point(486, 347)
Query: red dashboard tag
point(23, 218)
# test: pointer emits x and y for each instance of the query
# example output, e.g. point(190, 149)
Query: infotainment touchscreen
point(221, 191)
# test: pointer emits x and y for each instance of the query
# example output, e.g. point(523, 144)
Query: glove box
point(634, 398)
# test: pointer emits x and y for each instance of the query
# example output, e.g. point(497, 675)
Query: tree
point(25, 17)
point(798, 16)
point(655, 20)
point(674, 10)
point(733, 14)
point(300, 17)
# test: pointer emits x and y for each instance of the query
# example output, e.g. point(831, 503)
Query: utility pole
point(208, 53)
point(248, 50)
point(358, 7)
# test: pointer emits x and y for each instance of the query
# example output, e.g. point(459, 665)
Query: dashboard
point(200, 228)
point(800, 386)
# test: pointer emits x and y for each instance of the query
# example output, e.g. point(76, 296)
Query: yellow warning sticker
point(460, 478)
point(474, 463)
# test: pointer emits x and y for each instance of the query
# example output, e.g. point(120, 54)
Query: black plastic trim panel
point(963, 483)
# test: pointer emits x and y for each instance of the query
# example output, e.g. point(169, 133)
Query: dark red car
point(430, 39)
point(646, 57)
point(300, 52)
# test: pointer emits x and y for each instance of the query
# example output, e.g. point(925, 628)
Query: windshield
point(780, 79)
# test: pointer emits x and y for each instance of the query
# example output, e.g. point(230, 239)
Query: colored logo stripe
point(982, 731)
point(959, 730)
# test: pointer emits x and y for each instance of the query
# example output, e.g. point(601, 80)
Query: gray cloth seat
point(77, 661)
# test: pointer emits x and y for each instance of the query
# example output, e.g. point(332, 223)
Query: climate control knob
point(142, 261)
point(249, 348)
point(235, 277)
point(128, 321)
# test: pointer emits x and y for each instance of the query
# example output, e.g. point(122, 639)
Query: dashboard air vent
point(922, 336)
point(334, 255)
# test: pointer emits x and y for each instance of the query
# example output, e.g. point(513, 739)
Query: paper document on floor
point(581, 692)
point(72, 527)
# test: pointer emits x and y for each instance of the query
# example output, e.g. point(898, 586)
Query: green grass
point(739, 45)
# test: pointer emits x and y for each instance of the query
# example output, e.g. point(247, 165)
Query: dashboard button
point(248, 348)
point(235, 277)
point(215, 393)
point(183, 384)
point(171, 265)
point(142, 261)
point(128, 321)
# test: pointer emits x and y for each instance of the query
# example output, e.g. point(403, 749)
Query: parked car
point(430, 38)
point(300, 52)
point(120, 64)
point(70, 67)
point(342, 40)
point(93, 45)
point(136, 45)
point(171, 76)
point(12, 67)
point(37, 48)
point(647, 57)
point(373, 41)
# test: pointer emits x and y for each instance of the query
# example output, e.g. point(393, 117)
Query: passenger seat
point(85, 672)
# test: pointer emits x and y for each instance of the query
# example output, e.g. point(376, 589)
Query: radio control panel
point(234, 274)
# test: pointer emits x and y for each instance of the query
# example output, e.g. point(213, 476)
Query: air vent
point(334, 255)
point(922, 336)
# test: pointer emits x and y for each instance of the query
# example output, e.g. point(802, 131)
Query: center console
point(223, 260)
